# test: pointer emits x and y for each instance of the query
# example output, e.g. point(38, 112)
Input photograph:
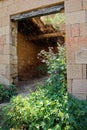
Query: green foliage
point(58, 18)
point(7, 93)
point(42, 69)
point(50, 107)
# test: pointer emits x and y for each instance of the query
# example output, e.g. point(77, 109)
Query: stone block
point(4, 80)
point(13, 60)
point(70, 54)
point(79, 86)
point(8, 39)
point(2, 69)
point(1, 49)
point(81, 56)
point(79, 96)
point(84, 71)
point(84, 4)
point(68, 30)
point(6, 49)
point(4, 30)
point(2, 39)
point(5, 21)
point(82, 39)
point(71, 40)
point(3, 12)
point(69, 86)
point(75, 30)
point(4, 59)
point(0, 22)
point(74, 5)
point(67, 3)
point(13, 50)
point(76, 17)
point(83, 29)
point(1, 3)
point(71, 48)
point(74, 71)
point(13, 69)
point(7, 3)
point(8, 70)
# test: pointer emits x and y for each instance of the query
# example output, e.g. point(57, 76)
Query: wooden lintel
point(48, 35)
point(39, 12)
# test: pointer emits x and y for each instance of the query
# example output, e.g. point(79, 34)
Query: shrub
point(50, 107)
point(42, 70)
point(7, 93)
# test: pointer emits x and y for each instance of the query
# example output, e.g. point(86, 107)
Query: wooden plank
point(42, 36)
point(40, 12)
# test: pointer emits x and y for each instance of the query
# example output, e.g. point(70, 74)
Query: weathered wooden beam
point(39, 12)
point(42, 36)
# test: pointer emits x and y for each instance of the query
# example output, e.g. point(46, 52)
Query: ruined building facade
point(76, 40)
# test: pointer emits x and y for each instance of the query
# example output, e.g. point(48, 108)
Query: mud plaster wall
point(28, 62)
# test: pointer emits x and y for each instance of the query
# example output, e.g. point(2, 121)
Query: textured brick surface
point(6, 49)
point(2, 39)
point(2, 69)
point(84, 4)
point(4, 30)
point(84, 71)
point(68, 30)
point(81, 56)
point(71, 40)
point(79, 96)
point(79, 86)
point(70, 54)
point(75, 30)
point(69, 86)
point(83, 29)
point(1, 49)
point(74, 71)
point(4, 59)
point(73, 5)
point(76, 17)
point(13, 50)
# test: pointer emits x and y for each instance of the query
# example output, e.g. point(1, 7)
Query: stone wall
point(76, 42)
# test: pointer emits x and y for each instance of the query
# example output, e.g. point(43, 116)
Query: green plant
point(42, 69)
point(58, 18)
point(7, 93)
point(50, 107)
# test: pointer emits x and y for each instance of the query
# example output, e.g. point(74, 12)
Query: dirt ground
point(25, 87)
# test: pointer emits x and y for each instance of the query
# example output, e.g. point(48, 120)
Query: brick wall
point(76, 42)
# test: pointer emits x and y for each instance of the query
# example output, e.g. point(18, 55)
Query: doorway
point(32, 32)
